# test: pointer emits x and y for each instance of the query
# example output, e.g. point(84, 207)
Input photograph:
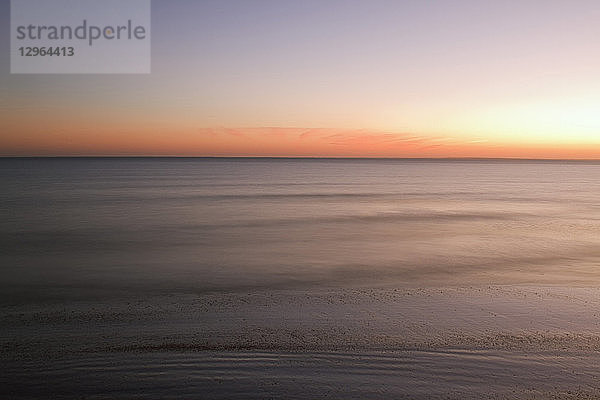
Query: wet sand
point(508, 341)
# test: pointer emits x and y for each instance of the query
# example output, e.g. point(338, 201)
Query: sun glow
point(565, 121)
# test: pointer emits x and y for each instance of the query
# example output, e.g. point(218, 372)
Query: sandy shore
point(491, 341)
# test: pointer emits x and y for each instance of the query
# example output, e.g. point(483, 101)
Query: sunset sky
point(329, 78)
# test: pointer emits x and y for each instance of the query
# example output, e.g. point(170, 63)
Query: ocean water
point(88, 228)
point(293, 278)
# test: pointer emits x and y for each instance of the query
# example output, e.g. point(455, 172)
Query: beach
point(492, 342)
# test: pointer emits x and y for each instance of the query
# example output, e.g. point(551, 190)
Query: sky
point(330, 78)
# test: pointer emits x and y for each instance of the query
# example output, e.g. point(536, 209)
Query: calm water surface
point(94, 227)
point(260, 278)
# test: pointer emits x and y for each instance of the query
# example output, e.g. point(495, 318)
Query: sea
point(72, 227)
point(284, 278)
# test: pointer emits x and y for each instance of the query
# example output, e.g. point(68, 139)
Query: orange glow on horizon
point(280, 142)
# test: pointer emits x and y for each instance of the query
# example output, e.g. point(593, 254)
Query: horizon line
point(302, 158)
